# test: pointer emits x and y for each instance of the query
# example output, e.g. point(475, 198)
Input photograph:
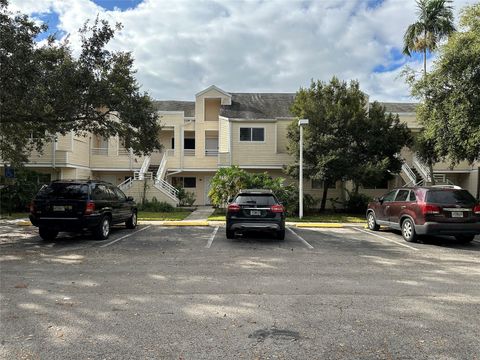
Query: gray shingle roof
point(258, 106)
point(173, 105)
point(399, 107)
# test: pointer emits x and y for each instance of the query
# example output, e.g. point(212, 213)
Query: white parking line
point(385, 238)
point(124, 237)
point(210, 241)
point(300, 238)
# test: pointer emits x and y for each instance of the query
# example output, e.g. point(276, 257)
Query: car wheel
point(408, 230)
point(131, 223)
point(281, 234)
point(47, 234)
point(102, 230)
point(230, 234)
point(371, 222)
point(465, 238)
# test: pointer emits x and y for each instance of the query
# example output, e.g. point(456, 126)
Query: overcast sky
point(182, 47)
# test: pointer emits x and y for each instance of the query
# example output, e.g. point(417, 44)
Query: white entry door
point(208, 180)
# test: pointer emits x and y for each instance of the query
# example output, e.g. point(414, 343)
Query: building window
point(184, 182)
point(189, 144)
point(252, 134)
point(173, 143)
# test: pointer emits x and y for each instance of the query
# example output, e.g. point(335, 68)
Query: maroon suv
point(427, 211)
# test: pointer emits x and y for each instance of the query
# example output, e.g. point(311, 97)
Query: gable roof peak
point(213, 87)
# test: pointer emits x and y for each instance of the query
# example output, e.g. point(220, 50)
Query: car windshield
point(64, 191)
point(254, 199)
point(450, 197)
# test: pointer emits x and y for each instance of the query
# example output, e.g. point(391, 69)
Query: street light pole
point(301, 123)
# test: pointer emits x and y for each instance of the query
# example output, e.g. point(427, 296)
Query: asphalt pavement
point(189, 293)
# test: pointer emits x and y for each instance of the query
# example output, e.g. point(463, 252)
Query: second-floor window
point(252, 134)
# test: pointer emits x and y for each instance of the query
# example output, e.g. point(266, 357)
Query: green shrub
point(157, 206)
point(356, 203)
point(186, 198)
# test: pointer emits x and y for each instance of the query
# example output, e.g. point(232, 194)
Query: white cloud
point(181, 47)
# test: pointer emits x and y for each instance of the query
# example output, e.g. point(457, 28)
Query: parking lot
point(161, 292)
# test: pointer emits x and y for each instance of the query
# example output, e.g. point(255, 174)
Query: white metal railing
point(161, 168)
point(211, 152)
point(410, 174)
point(421, 168)
point(137, 175)
point(127, 184)
point(189, 152)
point(144, 168)
point(99, 151)
point(167, 188)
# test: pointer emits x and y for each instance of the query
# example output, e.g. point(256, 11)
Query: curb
point(318, 225)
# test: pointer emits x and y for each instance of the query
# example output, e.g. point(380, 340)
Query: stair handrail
point(167, 186)
point(144, 168)
point(161, 167)
point(410, 174)
point(125, 185)
point(421, 168)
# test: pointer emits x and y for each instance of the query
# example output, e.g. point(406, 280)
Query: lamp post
point(301, 124)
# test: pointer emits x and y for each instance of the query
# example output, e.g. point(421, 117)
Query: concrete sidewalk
point(201, 213)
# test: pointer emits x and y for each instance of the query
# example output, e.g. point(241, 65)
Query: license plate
point(457, 214)
point(255, 212)
point(58, 208)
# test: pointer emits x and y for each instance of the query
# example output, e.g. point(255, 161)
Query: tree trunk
point(424, 62)
point(430, 169)
point(324, 196)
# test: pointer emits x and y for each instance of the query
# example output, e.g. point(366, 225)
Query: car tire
point(131, 223)
point(408, 230)
point(102, 230)
point(280, 234)
point(372, 222)
point(465, 238)
point(47, 234)
point(230, 234)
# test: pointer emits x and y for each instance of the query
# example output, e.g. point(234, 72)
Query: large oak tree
point(46, 90)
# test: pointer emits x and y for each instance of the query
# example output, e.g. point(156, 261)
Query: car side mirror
point(129, 198)
point(380, 200)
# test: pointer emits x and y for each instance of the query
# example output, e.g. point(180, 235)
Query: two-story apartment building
point(217, 129)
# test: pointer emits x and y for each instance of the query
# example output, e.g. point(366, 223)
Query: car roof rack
point(456, 187)
point(259, 191)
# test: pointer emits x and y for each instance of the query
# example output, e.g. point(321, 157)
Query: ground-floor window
point(184, 182)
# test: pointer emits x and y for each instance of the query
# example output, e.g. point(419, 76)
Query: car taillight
point(233, 208)
point(276, 208)
point(476, 209)
point(90, 208)
point(32, 207)
point(428, 209)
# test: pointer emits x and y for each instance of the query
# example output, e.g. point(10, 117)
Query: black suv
point(255, 210)
point(77, 205)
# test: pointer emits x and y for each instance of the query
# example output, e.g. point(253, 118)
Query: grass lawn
point(219, 215)
point(14, 215)
point(174, 215)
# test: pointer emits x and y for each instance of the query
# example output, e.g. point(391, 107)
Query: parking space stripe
point(300, 238)
point(210, 241)
point(385, 238)
point(124, 237)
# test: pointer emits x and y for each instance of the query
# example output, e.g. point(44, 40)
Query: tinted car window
point(402, 195)
point(390, 196)
point(450, 197)
point(101, 192)
point(120, 194)
point(412, 196)
point(259, 200)
point(64, 191)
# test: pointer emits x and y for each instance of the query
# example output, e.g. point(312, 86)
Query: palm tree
point(435, 22)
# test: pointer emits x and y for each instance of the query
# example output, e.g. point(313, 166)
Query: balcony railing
point(211, 152)
point(99, 151)
point(123, 151)
point(189, 152)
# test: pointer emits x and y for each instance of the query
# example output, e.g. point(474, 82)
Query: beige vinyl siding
point(81, 152)
point(282, 140)
point(257, 153)
point(46, 156)
point(212, 109)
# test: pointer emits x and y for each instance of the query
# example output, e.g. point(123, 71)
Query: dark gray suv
point(77, 205)
point(255, 210)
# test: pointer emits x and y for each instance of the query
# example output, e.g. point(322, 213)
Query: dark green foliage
point(156, 206)
point(356, 203)
point(16, 194)
point(186, 198)
point(344, 140)
point(450, 112)
point(46, 91)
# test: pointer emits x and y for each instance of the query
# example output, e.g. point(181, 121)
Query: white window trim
point(252, 141)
